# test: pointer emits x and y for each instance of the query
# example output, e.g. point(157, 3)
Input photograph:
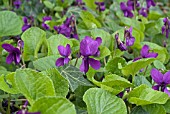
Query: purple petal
point(167, 91)
point(17, 58)
point(94, 63)
point(157, 76)
point(156, 87)
point(60, 62)
point(10, 58)
point(144, 51)
point(138, 58)
point(167, 33)
point(151, 55)
point(8, 47)
point(122, 6)
point(163, 29)
point(84, 67)
point(122, 47)
point(25, 20)
point(66, 60)
point(99, 40)
point(166, 77)
point(25, 27)
point(64, 51)
point(130, 41)
point(47, 18)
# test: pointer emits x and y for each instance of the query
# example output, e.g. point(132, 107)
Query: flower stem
point(145, 70)
point(9, 102)
point(76, 61)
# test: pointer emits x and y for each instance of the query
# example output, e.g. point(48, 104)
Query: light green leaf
point(159, 65)
point(48, 4)
point(138, 110)
point(166, 106)
point(74, 77)
point(7, 83)
point(10, 24)
point(133, 67)
point(113, 65)
point(45, 63)
point(53, 105)
point(34, 85)
point(99, 101)
point(33, 39)
point(154, 109)
point(104, 51)
point(143, 95)
point(3, 70)
point(89, 20)
point(90, 4)
point(139, 80)
point(56, 40)
point(60, 83)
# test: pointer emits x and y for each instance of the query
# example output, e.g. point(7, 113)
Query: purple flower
point(150, 3)
point(129, 38)
point(126, 10)
point(24, 111)
point(144, 12)
point(131, 4)
point(17, 4)
point(68, 28)
point(162, 80)
point(100, 6)
point(144, 53)
point(27, 23)
point(89, 47)
point(166, 27)
point(66, 53)
point(14, 53)
point(46, 18)
point(81, 4)
point(120, 44)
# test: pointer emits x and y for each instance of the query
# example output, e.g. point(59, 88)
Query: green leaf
point(104, 51)
point(139, 80)
point(33, 85)
point(166, 106)
point(33, 39)
point(3, 70)
point(154, 109)
point(60, 83)
point(7, 83)
point(113, 65)
point(53, 105)
point(74, 77)
point(133, 68)
point(138, 110)
point(48, 4)
point(99, 101)
point(105, 36)
point(89, 20)
point(159, 65)
point(56, 40)
point(45, 63)
point(10, 24)
point(143, 95)
point(90, 4)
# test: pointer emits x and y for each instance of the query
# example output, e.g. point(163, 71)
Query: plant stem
point(145, 70)
point(2, 109)
point(76, 61)
point(9, 102)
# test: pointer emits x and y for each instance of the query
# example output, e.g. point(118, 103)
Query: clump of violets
point(100, 6)
point(128, 37)
point(81, 4)
point(24, 110)
point(89, 47)
point(145, 53)
point(132, 4)
point(17, 4)
point(162, 80)
point(14, 54)
point(166, 27)
point(27, 23)
point(68, 28)
point(126, 10)
point(65, 52)
point(46, 18)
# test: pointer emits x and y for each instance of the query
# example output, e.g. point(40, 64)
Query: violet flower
point(17, 4)
point(129, 38)
point(14, 54)
point(81, 4)
point(24, 110)
point(144, 53)
point(120, 44)
point(89, 47)
point(144, 12)
point(66, 53)
point(150, 3)
point(127, 10)
point(46, 18)
point(68, 28)
point(100, 6)
point(166, 27)
point(27, 23)
point(131, 4)
point(162, 80)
